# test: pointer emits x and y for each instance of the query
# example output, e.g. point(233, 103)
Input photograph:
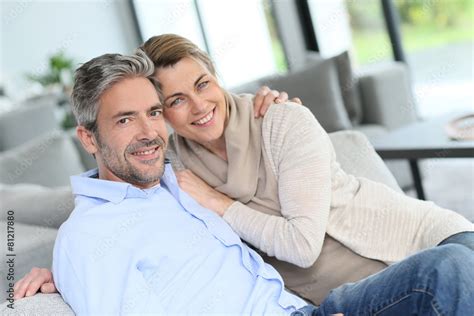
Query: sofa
point(39, 210)
point(35, 164)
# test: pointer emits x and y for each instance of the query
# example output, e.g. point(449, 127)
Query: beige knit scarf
point(237, 177)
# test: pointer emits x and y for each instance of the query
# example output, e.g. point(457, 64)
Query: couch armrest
point(357, 157)
point(386, 95)
point(37, 205)
point(39, 304)
point(33, 248)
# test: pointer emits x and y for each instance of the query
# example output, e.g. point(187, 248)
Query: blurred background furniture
point(422, 140)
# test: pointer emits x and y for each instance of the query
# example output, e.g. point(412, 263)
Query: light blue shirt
point(126, 250)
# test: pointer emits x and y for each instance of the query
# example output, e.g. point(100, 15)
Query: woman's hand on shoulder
point(202, 192)
point(265, 97)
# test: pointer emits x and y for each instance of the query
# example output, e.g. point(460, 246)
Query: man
point(136, 243)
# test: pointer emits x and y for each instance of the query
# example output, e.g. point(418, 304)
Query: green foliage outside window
point(438, 13)
point(424, 24)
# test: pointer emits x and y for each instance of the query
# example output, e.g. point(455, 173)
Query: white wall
point(32, 30)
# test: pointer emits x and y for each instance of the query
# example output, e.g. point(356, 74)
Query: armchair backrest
point(357, 157)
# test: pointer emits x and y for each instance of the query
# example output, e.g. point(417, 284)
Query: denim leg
point(436, 281)
point(464, 238)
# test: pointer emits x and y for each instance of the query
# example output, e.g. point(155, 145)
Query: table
point(420, 140)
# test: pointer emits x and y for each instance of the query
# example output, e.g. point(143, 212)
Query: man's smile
point(147, 153)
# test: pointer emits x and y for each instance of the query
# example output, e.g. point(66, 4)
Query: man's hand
point(202, 192)
point(266, 97)
point(32, 282)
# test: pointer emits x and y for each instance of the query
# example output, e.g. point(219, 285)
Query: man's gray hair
point(94, 77)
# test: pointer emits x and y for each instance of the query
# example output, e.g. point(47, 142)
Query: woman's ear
point(87, 139)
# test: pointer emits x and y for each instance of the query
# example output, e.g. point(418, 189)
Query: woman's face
point(194, 103)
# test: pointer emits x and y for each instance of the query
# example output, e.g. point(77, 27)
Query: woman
point(276, 181)
point(278, 185)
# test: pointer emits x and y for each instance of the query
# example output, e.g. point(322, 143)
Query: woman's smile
point(207, 120)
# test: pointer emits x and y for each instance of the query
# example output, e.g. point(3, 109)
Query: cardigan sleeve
point(300, 152)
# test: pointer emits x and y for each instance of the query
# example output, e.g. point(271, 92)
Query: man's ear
point(87, 139)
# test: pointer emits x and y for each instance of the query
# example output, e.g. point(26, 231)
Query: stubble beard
point(125, 170)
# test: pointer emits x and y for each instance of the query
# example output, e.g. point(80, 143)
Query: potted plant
point(58, 81)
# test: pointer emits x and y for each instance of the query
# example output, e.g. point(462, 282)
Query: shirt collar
point(87, 184)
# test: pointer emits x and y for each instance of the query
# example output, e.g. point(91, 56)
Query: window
point(370, 40)
point(356, 26)
point(169, 16)
point(438, 37)
point(331, 24)
point(239, 35)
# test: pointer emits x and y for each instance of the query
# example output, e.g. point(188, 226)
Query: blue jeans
point(435, 281)
point(465, 239)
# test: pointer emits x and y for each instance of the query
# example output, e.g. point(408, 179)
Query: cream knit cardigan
point(317, 196)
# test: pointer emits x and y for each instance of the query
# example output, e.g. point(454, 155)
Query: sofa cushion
point(399, 168)
point(371, 131)
point(37, 205)
point(33, 247)
point(358, 157)
point(348, 83)
point(318, 87)
point(349, 87)
point(386, 95)
point(33, 120)
point(47, 160)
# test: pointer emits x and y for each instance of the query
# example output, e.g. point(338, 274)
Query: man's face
point(130, 142)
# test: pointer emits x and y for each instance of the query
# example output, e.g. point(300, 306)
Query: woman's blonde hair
point(168, 49)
